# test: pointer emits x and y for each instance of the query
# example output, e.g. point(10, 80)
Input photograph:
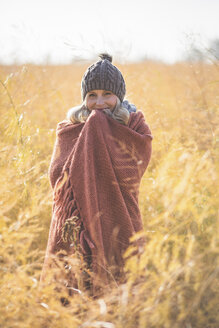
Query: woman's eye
point(108, 93)
point(91, 95)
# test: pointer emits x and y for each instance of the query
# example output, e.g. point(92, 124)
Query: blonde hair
point(79, 114)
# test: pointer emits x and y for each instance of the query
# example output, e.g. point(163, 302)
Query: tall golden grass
point(174, 283)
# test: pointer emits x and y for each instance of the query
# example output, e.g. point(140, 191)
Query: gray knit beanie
point(103, 75)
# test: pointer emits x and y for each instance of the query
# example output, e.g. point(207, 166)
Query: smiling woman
point(100, 155)
point(100, 99)
point(110, 99)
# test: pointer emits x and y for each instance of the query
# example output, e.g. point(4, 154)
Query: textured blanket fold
point(95, 172)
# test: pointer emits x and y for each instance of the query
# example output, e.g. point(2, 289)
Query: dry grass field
point(174, 284)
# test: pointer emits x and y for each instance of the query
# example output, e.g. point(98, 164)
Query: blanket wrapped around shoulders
point(95, 174)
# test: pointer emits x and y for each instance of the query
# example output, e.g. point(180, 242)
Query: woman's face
point(100, 99)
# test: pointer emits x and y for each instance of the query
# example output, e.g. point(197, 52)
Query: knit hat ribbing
point(103, 75)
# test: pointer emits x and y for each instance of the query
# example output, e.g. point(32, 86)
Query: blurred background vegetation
point(175, 281)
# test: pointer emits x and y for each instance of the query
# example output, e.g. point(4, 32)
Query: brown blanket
point(95, 172)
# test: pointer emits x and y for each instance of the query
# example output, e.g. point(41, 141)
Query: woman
point(100, 155)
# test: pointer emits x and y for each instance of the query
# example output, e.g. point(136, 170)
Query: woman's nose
point(100, 101)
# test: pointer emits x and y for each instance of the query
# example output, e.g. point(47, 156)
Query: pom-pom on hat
point(103, 75)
